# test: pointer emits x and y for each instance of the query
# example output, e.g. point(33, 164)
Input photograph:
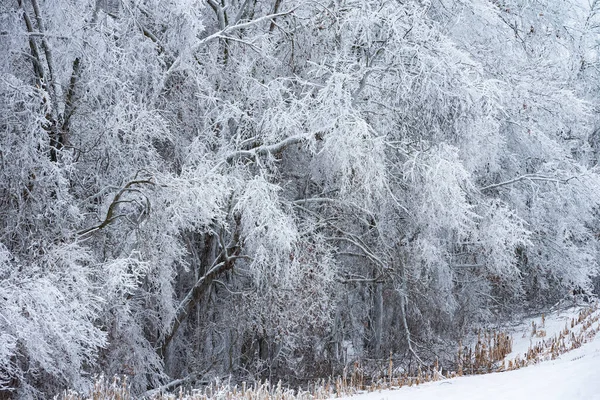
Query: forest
point(277, 189)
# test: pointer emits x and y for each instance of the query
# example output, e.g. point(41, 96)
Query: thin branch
point(242, 11)
point(247, 43)
point(404, 305)
point(190, 300)
point(530, 177)
point(467, 265)
point(361, 246)
point(151, 394)
point(361, 279)
point(332, 201)
point(361, 86)
point(242, 25)
point(110, 213)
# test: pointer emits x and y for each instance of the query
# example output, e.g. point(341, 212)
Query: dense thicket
point(275, 188)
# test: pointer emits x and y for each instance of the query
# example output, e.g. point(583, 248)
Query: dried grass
point(488, 355)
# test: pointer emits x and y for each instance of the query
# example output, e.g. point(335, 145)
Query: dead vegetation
point(487, 355)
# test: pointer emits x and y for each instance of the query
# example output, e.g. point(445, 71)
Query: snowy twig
point(530, 177)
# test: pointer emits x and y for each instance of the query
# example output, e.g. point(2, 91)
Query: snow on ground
point(575, 375)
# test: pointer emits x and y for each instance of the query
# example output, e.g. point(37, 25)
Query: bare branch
point(110, 214)
point(69, 101)
point(247, 43)
point(275, 10)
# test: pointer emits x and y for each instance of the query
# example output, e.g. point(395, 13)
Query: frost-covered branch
point(353, 240)
point(47, 50)
point(70, 100)
point(529, 177)
point(223, 32)
point(35, 54)
point(265, 149)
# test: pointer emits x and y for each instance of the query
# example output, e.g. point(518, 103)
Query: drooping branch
point(242, 25)
point(349, 278)
point(154, 393)
point(353, 240)
point(335, 201)
point(247, 43)
point(169, 387)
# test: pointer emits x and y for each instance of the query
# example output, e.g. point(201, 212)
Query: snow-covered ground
point(575, 375)
point(545, 329)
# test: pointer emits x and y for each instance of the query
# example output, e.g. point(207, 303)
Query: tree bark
point(35, 53)
point(275, 10)
point(377, 318)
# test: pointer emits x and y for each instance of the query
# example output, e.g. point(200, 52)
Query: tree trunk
point(377, 319)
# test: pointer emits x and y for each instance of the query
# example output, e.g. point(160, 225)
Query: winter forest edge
point(273, 189)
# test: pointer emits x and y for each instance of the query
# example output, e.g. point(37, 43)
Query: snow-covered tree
point(197, 188)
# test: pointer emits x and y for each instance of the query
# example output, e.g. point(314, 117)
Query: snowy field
point(575, 375)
